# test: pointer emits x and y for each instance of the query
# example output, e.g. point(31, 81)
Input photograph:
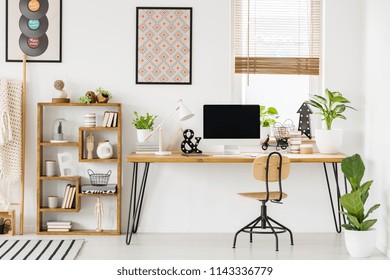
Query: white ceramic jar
point(104, 150)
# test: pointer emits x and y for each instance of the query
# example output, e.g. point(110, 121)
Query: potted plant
point(331, 107)
point(144, 125)
point(359, 234)
point(103, 95)
point(268, 116)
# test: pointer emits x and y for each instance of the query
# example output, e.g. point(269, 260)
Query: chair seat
point(263, 195)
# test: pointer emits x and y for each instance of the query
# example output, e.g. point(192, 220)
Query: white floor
point(157, 246)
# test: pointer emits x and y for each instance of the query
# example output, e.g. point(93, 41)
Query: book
point(59, 223)
point(67, 188)
point(105, 118)
point(71, 196)
point(58, 229)
point(115, 120)
point(60, 226)
point(110, 118)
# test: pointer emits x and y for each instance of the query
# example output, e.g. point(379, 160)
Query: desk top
point(178, 157)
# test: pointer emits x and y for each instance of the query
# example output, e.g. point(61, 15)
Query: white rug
point(40, 249)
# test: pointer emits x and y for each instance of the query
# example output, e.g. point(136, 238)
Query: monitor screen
point(233, 122)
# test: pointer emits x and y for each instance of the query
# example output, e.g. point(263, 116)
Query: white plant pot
point(264, 132)
point(142, 134)
point(329, 141)
point(360, 244)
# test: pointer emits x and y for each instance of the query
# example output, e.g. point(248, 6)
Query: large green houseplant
point(331, 106)
point(144, 125)
point(359, 235)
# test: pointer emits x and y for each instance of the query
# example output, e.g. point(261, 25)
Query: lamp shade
point(184, 112)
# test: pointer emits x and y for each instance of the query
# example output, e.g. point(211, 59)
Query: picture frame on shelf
point(36, 33)
point(164, 45)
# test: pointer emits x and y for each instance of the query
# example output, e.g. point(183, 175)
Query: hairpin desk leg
point(337, 219)
point(135, 204)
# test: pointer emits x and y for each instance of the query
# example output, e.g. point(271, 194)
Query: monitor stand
point(231, 150)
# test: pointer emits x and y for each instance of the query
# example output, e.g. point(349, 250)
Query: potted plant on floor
point(268, 116)
point(144, 125)
point(359, 235)
point(331, 107)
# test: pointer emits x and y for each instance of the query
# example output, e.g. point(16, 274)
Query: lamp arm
point(161, 124)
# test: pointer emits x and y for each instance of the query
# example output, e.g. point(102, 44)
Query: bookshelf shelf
point(46, 184)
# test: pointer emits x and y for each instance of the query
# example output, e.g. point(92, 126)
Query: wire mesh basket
point(282, 130)
point(99, 179)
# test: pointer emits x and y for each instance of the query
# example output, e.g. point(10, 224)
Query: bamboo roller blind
point(277, 36)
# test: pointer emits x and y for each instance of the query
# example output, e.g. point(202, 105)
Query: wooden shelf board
point(60, 178)
point(97, 128)
point(99, 160)
point(80, 104)
point(79, 232)
point(58, 210)
point(48, 143)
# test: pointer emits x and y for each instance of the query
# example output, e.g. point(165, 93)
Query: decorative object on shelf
point(306, 148)
point(52, 201)
point(50, 168)
point(34, 28)
point(268, 116)
point(304, 119)
point(66, 164)
point(61, 96)
point(295, 142)
point(110, 119)
point(99, 213)
point(59, 128)
point(184, 114)
point(90, 145)
point(1, 225)
point(331, 107)
point(187, 146)
point(359, 234)
point(7, 219)
point(282, 133)
point(103, 95)
point(90, 120)
point(99, 179)
point(144, 125)
point(168, 63)
point(91, 189)
point(104, 150)
point(92, 96)
point(84, 99)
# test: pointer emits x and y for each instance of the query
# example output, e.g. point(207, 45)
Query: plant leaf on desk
point(355, 224)
point(367, 224)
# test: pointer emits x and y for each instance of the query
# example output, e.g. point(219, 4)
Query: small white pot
point(264, 132)
point(329, 141)
point(142, 134)
point(360, 244)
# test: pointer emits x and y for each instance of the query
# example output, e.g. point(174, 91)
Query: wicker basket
point(99, 179)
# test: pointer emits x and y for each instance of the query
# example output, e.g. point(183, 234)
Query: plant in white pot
point(268, 116)
point(360, 237)
point(144, 125)
point(331, 107)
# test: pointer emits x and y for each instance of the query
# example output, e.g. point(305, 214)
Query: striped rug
point(40, 249)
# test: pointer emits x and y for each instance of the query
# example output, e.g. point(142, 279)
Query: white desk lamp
point(184, 114)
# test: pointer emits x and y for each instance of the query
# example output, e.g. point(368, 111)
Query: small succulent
point(104, 92)
point(84, 99)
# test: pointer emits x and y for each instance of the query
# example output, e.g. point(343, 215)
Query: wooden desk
point(136, 201)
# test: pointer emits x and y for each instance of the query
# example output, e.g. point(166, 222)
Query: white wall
point(99, 50)
point(377, 100)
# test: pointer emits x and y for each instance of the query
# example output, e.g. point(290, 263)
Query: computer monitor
point(231, 125)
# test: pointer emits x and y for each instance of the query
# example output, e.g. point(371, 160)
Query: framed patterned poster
point(164, 45)
point(33, 27)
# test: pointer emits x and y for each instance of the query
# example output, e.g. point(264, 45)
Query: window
point(277, 36)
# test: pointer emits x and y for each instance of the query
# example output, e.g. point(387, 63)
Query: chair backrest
point(259, 167)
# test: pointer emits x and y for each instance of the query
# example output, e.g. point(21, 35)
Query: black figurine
point(304, 119)
point(187, 146)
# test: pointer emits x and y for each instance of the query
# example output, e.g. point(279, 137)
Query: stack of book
point(69, 195)
point(91, 189)
point(146, 148)
point(110, 119)
point(59, 225)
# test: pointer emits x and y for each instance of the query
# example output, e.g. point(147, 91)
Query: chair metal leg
point(286, 228)
point(252, 227)
point(276, 235)
point(135, 205)
point(242, 229)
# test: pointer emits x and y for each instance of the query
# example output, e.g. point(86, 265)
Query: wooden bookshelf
point(42, 180)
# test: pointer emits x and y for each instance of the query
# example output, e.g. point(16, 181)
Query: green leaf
point(353, 169)
point(320, 99)
point(340, 99)
point(339, 108)
point(340, 116)
point(348, 227)
point(372, 209)
point(352, 202)
point(364, 190)
point(353, 220)
point(367, 224)
point(272, 111)
point(315, 104)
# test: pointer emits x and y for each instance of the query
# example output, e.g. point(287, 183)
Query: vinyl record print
point(33, 46)
point(34, 9)
point(33, 27)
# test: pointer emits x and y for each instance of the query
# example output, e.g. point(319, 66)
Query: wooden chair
point(273, 168)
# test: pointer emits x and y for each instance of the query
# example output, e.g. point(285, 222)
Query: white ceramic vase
point(142, 134)
point(329, 141)
point(360, 244)
point(104, 150)
point(264, 132)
